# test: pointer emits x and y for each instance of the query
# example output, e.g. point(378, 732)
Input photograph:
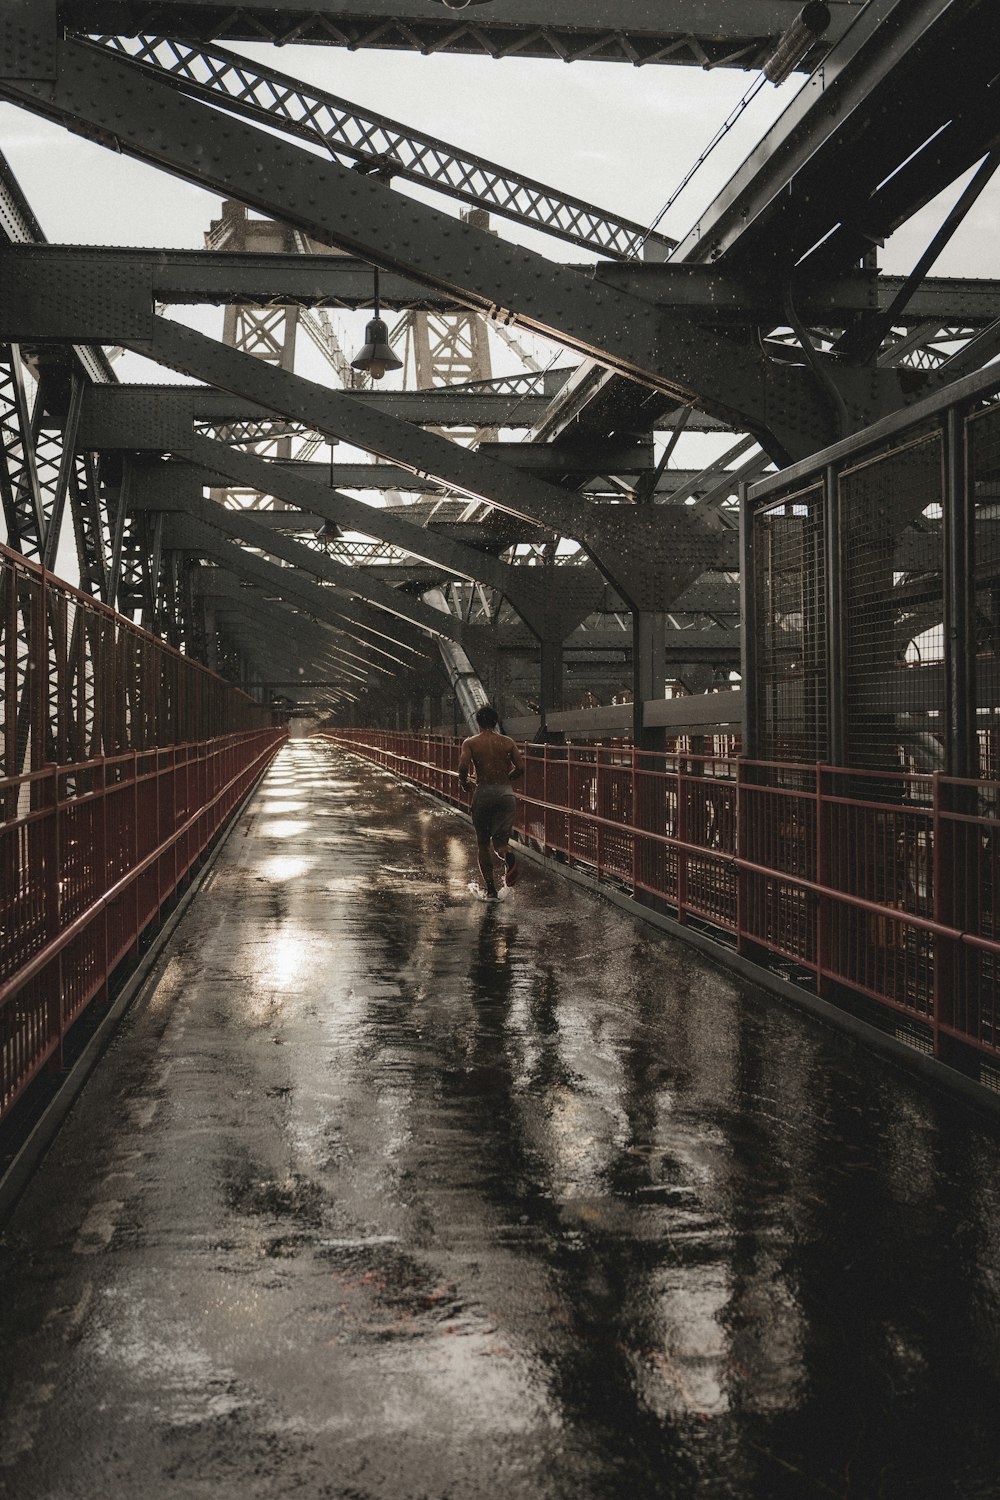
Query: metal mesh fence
point(983, 432)
point(790, 628)
point(893, 608)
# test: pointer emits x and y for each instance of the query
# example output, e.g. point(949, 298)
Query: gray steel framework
point(374, 143)
point(686, 323)
point(823, 180)
point(730, 377)
point(702, 33)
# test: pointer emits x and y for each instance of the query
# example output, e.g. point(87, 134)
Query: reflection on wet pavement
point(384, 1193)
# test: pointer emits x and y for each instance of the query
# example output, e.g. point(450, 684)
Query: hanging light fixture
point(461, 4)
point(377, 355)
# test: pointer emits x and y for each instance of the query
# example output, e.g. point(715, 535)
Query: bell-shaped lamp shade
point(377, 356)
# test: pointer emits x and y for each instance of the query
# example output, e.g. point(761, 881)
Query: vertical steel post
point(836, 705)
point(955, 851)
point(66, 462)
point(961, 754)
point(550, 679)
point(748, 634)
point(649, 674)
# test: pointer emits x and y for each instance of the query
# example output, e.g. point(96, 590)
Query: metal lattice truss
point(374, 144)
point(203, 514)
point(732, 33)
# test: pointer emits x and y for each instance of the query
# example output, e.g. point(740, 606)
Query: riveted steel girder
point(218, 277)
point(215, 278)
point(278, 651)
point(347, 582)
point(643, 556)
point(550, 603)
point(158, 416)
point(700, 33)
point(225, 591)
point(365, 141)
point(382, 635)
point(246, 469)
point(114, 416)
point(105, 96)
point(901, 106)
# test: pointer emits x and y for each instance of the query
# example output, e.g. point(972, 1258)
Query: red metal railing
point(122, 759)
point(870, 884)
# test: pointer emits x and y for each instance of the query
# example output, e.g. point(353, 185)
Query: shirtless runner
point(496, 761)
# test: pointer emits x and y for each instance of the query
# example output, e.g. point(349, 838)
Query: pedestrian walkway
point(384, 1193)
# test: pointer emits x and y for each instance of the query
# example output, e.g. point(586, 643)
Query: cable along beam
point(373, 144)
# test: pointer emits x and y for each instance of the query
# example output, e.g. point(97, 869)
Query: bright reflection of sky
point(285, 953)
point(283, 828)
point(284, 867)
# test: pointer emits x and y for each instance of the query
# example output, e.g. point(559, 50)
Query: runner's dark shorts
point(493, 813)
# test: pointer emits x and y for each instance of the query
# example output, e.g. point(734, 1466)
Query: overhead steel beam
point(453, 556)
point(18, 226)
point(710, 292)
point(647, 552)
point(389, 641)
point(924, 70)
point(340, 415)
point(129, 416)
point(346, 582)
point(126, 416)
point(223, 588)
point(698, 33)
point(104, 96)
point(282, 651)
point(280, 480)
point(373, 143)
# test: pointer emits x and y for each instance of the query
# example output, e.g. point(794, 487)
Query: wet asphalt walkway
point(383, 1193)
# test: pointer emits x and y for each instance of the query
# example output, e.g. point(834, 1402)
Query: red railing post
point(102, 871)
point(743, 944)
point(939, 949)
point(824, 902)
point(683, 844)
point(48, 791)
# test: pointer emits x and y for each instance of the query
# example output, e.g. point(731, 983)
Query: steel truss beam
point(373, 143)
point(281, 481)
point(711, 293)
point(106, 97)
point(274, 650)
point(379, 635)
point(24, 513)
point(823, 180)
point(125, 416)
point(699, 33)
point(648, 553)
point(173, 493)
point(337, 477)
point(222, 590)
point(128, 416)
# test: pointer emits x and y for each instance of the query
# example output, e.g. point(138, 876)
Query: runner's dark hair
point(487, 718)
